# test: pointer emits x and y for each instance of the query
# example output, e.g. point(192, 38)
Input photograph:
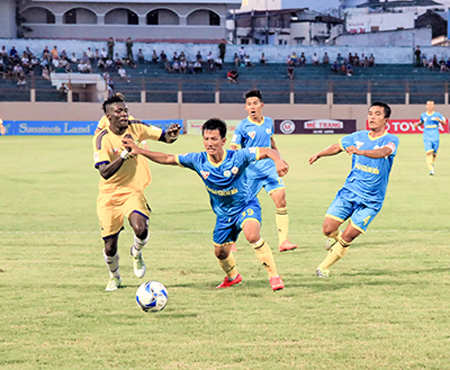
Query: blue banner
point(69, 127)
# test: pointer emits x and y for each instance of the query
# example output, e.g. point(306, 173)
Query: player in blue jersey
point(257, 131)
point(362, 195)
point(430, 121)
point(231, 199)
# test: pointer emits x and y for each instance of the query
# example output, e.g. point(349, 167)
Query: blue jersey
point(250, 134)
point(431, 125)
point(226, 182)
point(369, 177)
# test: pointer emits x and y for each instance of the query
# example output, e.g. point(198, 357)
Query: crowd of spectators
point(432, 64)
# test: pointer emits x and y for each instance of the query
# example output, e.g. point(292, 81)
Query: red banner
point(406, 126)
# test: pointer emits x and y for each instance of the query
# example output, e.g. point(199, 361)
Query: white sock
point(138, 245)
point(113, 265)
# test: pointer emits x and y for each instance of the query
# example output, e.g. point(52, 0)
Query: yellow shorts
point(112, 208)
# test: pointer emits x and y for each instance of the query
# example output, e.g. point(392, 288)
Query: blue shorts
point(431, 145)
point(270, 183)
point(227, 229)
point(346, 205)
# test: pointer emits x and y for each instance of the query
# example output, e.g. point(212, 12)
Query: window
point(70, 17)
point(152, 18)
point(132, 18)
point(214, 19)
point(245, 41)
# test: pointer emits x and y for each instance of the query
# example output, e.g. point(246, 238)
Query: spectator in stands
point(18, 70)
point(236, 60)
point(97, 56)
point(129, 46)
point(443, 65)
point(241, 54)
point(350, 58)
point(335, 66)
point(190, 67)
point(290, 72)
point(163, 57)
point(141, 57)
point(45, 52)
point(109, 82)
point(431, 65)
point(3, 54)
point(25, 61)
point(294, 59)
point(448, 63)
point(63, 89)
point(326, 59)
point(34, 62)
point(54, 52)
point(263, 59)
point(365, 63)
point(55, 62)
point(344, 68)
point(424, 60)
point(63, 54)
point(222, 49)
point(210, 57)
point(110, 45)
point(199, 58)
point(302, 60)
point(339, 59)
point(435, 61)
point(85, 67)
point(349, 69)
point(198, 66)
point(175, 57)
point(289, 60)
point(130, 63)
point(183, 56)
point(46, 73)
point(315, 60)
point(355, 60)
point(417, 54)
point(118, 61)
point(183, 66)
point(232, 76)
point(28, 52)
point(248, 61)
point(2, 68)
point(155, 57)
point(21, 81)
point(85, 58)
point(123, 74)
point(13, 54)
point(168, 66)
point(64, 65)
point(104, 55)
point(218, 63)
point(90, 54)
point(211, 65)
point(371, 61)
point(176, 65)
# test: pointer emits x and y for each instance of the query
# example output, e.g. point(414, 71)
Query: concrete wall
point(91, 111)
point(8, 27)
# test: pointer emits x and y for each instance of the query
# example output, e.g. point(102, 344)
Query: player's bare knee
point(327, 230)
point(221, 253)
point(110, 247)
point(140, 231)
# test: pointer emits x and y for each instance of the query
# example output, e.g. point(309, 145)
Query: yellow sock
point(430, 162)
point(334, 235)
point(335, 254)
point(229, 266)
point(282, 220)
point(264, 255)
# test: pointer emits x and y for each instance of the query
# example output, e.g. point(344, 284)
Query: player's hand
point(313, 158)
point(353, 150)
point(174, 131)
point(130, 145)
point(282, 168)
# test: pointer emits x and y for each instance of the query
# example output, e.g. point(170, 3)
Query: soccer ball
point(152, 296)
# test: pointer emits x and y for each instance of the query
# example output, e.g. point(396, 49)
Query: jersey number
point(248, 212)
point(366, 220)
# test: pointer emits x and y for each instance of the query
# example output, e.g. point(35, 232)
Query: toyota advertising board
point(314, 126)
point(406, 126)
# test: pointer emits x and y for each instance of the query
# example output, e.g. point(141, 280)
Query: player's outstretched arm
point(373, 153)
point(417, 124)
point(161, 158)
point(281, 166)
point(331, 150)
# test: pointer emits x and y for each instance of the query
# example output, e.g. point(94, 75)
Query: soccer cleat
point(227, 283)
point(233, 248)
point(276, 283)
point(113, 284)
point(431, 173)
point(287, 246)
point(323, 273)
point(138, 264)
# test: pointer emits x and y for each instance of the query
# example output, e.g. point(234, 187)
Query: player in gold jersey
point(122, 183)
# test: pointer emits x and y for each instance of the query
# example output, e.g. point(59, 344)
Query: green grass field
point(386, 306)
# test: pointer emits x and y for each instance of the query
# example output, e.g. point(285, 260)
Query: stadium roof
point(209, 2)
point(398, 4)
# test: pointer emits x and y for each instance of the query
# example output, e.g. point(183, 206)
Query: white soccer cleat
point(113, 284)
point(138, 265)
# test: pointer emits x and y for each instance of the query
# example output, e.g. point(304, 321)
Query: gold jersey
point(134, 174)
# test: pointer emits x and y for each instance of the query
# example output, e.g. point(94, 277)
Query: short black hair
point(387, 108)
point(116, 98)
point(253, 93)
point(215, 124)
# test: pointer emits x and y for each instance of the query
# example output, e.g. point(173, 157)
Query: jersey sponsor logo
point(268, 131)
point(235, 170)
point(204, 174)
point(222, 193)
point(252, 149)
point(234, 139)
point(252, 134)
point(367, 169)
point(227, 173)
point(287, 127)
point(359, 144)
point(115, 151)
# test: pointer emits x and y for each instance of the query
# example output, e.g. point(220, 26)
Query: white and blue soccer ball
point(152, 296)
